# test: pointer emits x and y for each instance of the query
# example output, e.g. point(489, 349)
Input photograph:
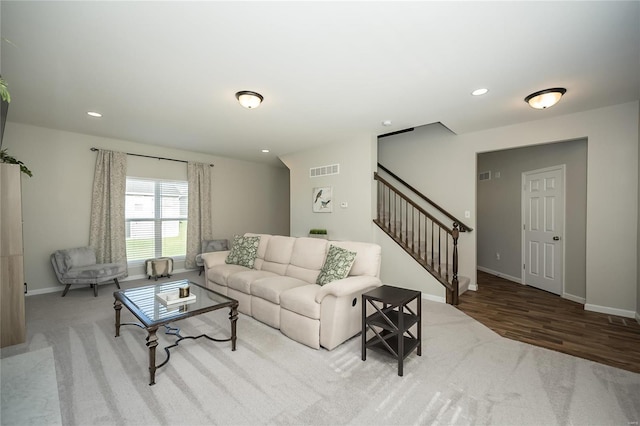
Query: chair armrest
point(347, 286)
point(214, 258)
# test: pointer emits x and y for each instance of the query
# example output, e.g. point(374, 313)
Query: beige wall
point(353, 185)
point(449, 163)
point(430, 159)
point(57, 199)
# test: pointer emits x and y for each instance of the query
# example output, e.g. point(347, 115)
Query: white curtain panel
point(107, 234)
point(199, 221)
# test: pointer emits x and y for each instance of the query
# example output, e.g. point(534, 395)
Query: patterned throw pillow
point(243, 251)
point(336, 266)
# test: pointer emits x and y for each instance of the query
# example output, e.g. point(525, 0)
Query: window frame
point(157, 220)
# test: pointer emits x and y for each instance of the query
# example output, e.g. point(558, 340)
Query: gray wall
point(499, 223)
point(247, 196)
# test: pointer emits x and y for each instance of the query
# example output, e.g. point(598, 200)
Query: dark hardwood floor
point(543, 319)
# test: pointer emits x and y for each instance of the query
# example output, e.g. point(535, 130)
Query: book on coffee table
point(171, 298)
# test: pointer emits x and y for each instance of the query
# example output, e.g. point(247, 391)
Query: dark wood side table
point(392, 321)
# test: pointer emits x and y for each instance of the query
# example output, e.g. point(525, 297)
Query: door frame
point(563, 170)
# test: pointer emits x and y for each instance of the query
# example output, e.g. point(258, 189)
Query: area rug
point(29, 389)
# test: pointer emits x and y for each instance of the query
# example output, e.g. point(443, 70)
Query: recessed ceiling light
point(386, 123)
point(479, 92)
point(94, 114)
point(265, 150)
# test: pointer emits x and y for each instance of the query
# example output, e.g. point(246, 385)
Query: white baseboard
point(74, 286)
point(44, 290)
point(500, 274)
point(610, 311)
point(577, 299)
point(473, 287)
point(638, 317)
point(433, 298)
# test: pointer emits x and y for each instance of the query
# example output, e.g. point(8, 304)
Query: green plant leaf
point(6, 158)
point(4, 91)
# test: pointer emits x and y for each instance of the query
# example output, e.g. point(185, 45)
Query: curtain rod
point(151, 156)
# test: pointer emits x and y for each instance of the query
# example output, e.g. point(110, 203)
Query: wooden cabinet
point(12, 319)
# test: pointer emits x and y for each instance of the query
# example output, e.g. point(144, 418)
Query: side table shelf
point(392, 321)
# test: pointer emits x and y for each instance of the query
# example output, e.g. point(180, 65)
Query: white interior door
point(543, 226)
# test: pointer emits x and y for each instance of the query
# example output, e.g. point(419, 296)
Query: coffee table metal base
point(152, 338)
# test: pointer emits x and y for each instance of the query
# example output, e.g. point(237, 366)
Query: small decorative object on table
point(318, 233)
point(174, 297)
point(184, 291)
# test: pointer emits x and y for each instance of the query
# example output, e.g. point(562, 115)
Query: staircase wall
point(401, 270)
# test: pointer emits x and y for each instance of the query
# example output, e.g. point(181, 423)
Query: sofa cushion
point(220, 273)
point(60, 263)
point(242, 281)
point(96, 271)
point(78, 257)
point(214, 245)
point(262, 248)
point(209, 246)
point(336, 266)
point(302, 300)
point(368, 257)
point(270, 288)
point(243, 251)
point(307, 258)
point(278, 254)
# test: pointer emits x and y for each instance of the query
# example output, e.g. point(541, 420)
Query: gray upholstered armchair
point(79, 266)
point(209, 246)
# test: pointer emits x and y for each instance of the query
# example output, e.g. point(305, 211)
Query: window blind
point(156, 218)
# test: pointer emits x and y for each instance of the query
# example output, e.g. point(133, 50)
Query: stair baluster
point(410, 225)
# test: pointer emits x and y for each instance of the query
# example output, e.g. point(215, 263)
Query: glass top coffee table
point(150, 305)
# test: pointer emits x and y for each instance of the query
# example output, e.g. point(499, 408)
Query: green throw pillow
point(243, 251)
point(336, 266)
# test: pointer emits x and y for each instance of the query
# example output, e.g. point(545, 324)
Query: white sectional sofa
point(280, 288)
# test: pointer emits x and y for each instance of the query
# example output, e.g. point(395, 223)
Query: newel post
point(456, 291)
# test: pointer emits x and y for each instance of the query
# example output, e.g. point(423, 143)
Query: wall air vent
point(484, 176)
point(333, 169)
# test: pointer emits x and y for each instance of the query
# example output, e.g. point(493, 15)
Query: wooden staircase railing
point(430, 242)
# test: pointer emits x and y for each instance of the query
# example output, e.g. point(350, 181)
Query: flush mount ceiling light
point(94, 114)
point(249, 99)
point(545, 98)
point(480, 92)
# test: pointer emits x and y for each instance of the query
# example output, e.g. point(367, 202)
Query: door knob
point(556, 238)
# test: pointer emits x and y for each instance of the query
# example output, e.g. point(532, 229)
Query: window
point(156, 218)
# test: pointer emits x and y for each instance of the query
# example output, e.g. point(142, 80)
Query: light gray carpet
point(29, 389)
point(467, 374)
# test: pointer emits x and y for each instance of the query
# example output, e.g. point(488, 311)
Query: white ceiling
point(165, 73)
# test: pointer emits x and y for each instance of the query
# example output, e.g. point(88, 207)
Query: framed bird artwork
point(321, 199)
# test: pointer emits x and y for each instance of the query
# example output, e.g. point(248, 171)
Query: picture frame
point(321, 200)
